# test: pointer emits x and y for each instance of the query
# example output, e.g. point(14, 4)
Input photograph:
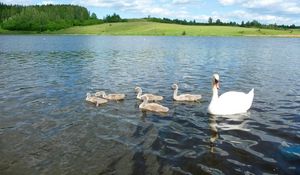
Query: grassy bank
point(161, 29)
point(8, 32)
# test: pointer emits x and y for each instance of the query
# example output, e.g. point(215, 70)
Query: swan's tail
point(250, 97)
point(251, 93)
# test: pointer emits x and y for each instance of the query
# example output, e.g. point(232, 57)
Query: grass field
point(161, 29)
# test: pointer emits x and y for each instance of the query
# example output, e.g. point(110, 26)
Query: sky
point(265, 11)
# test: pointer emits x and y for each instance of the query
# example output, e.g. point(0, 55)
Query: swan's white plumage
point(229, 103)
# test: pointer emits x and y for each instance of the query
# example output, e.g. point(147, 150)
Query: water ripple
point(46, 127)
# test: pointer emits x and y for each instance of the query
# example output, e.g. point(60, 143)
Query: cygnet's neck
point(139, 94)
point(175, 92)
point(88, 96)
point(104, 94)
point(145, 101)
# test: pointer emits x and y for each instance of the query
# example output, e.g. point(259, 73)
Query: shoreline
point(78, 34)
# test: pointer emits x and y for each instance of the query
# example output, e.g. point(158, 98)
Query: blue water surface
point(47, 127)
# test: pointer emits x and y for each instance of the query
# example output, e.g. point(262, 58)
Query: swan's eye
point(216, 81)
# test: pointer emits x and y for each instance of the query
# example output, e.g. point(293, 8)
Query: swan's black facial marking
point(216, 81)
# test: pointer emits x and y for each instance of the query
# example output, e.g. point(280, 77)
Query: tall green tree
point(94, 16)
point(218, 22)
point(210, 20)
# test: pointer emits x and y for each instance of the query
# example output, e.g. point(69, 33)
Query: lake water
point(47, 127)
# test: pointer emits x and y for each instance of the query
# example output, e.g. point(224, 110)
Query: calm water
point(46, 127)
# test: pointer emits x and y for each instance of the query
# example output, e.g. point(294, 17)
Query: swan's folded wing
point(153, 97)
point(233, 99)
point(156, 107)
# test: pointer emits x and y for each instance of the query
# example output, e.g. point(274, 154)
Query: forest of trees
point(253, 23)
point(44, 17)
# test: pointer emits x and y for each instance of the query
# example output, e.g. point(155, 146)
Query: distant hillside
point(44, 17)
point(142, 27)
point(218, 22)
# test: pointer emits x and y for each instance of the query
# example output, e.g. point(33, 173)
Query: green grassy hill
point(136, 27)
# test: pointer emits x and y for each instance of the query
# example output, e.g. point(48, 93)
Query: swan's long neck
point(215, 94)
point(139, 94)
point(175, 92)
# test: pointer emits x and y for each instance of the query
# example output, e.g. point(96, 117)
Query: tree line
point(218, 22)
point(44, 17)
point(113, 18)
point(49, 17)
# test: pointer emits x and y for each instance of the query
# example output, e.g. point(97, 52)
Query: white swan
point(184, 97)
point(154, 107)
point(151, 97)
point(94, 99)
point(230, 102)
point(110, 96)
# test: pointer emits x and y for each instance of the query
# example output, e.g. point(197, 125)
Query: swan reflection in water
point(226, 122)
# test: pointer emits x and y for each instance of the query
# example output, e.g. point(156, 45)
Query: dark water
point(46, 127)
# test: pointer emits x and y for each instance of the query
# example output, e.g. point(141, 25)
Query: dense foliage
point(44, 17)
point(218, 22)
point(113, 18)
